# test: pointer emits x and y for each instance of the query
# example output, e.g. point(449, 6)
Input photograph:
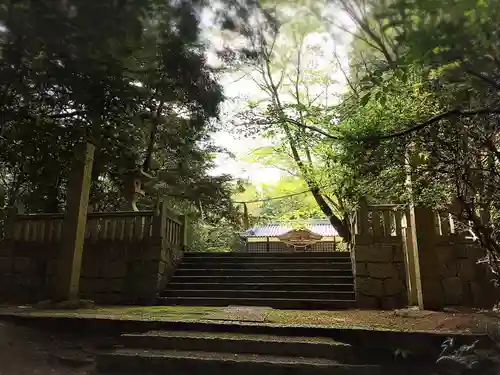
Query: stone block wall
point(24, 271)
point(119, 271)
point(458, 279)
point(379, 271)
point(113, 272)
point(170, 259)
point(127, 256)
point(462, 281)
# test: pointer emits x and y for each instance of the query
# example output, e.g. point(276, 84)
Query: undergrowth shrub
point(469, 359)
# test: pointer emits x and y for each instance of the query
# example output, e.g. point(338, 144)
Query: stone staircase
point(222, 347)
point(219, 353)
point(304, 280)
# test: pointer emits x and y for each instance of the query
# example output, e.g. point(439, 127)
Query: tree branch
point(441, 116)
point(346, 77)
point(310, 127)
point(422, 125)
point(66, 115)
point(484, 78)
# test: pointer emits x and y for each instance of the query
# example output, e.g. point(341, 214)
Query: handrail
point(91, 215)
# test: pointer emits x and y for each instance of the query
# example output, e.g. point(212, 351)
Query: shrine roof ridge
point(322, 227)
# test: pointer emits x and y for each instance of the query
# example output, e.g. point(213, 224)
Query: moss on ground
point(161, 313)
point(362, 319)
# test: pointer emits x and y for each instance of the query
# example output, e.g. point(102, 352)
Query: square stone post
point(75, 222)
point(425, 225)
point(145, 271)
point(410, 246)
point(412, 264)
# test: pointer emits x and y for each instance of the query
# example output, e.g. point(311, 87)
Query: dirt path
point(27, 351)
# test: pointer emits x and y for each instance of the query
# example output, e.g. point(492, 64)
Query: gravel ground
point(398, 320)
point(27, 351)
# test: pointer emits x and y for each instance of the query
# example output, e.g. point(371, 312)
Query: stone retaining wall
point(112, 272)
point(458, 279)
point(464, 282)
point(23, 272)
point(127, 256)
point(379, 270)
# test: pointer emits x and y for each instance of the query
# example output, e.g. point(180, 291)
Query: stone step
point(278, 303)
point(259, 278)
point(238, 343)
point(262, 272)
point(310, 294)
point(327, 264)
point(268, 259)
point(288, 255)
point(261, 286)
point(145, 361)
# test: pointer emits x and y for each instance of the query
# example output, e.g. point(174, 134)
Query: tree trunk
point(340, 225)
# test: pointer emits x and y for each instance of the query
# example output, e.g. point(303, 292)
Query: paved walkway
point(398, 320)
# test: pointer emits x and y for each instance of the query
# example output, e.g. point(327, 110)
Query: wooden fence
point(447, 228)
point(273, 244)
point(125, 255)
point(128, 226)
point(380, 221)
point(391, 220)
point(445, 225)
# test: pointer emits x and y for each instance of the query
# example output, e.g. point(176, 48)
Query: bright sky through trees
point(239, 88)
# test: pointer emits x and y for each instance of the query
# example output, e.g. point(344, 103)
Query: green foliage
point(113, 70)
point(418, 110)
point(293, 207)
point(219, 237)
point(270, 205)
point(295, 87)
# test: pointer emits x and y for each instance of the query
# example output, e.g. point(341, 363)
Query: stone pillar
point(145, 274)
point(428, 261)
point(362, 222)
point(420, 257)
point(412, 265)
point(75, 222)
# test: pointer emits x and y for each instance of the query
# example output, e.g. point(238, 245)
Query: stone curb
point(423, 343)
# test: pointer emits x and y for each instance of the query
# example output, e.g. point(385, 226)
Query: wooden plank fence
point(445, 224)
point(392, 220)
point(380, 221)
point(128, 226)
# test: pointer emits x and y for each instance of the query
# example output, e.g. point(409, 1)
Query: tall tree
point(297, 96)
point(436, 100)
point(131, 74)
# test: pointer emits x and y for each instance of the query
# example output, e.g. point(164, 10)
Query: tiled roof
point(318, 226)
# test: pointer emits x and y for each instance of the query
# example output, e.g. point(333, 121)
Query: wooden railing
point(37, 227)
point(111, 226)
point(447, 228)
point(174, 228)
point(445, 224)
point(380, 220)
point(391, 220)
